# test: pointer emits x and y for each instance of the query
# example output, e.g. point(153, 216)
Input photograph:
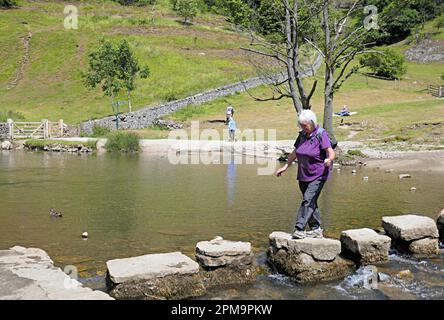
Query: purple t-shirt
point(310, 159)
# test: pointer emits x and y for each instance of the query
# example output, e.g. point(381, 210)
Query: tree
point(129, 69)
point(103, 70)
point(279, 60)
point(187, 9)
point(389, 64)
point(8, 3)
point(439, 23)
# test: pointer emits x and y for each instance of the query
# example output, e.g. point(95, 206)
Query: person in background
point(229, 113)
point(315, 158)
point(232, 128)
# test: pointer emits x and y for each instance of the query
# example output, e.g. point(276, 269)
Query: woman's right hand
point(281, 171)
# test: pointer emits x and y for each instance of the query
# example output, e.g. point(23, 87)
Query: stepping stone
point(412, 233)
point(30, 274)
point(308, 260)
point(225, 262)
point(410, 227)
point(155, 276)
point(365, 246)
point(216, 253)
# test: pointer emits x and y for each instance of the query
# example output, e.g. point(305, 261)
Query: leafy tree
point(387, 63)
point(187, 9)
point(439, 23)
point(103, 70)
point(7, 3)
point(129, 69)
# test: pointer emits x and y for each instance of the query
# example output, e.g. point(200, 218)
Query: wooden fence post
point(10, 129)
point(45, 124)
point(61, 128)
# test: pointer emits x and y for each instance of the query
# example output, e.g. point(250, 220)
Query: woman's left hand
point(327, 162)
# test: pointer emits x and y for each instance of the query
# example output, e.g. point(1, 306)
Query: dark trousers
point(309, 211)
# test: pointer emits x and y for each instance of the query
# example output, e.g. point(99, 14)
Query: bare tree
point(282, 66)
point(342, 42)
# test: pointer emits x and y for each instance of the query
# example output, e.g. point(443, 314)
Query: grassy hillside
point(188, 59)
point(183, 59)
point(401, 112)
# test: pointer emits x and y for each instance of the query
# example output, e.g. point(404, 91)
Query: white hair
point(308, 116)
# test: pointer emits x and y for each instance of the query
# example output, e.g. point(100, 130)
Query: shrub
point(8, 3)
point(122, 142)
point(387, 63)
point(356, 153)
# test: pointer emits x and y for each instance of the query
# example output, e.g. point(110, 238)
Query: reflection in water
point(231, 182)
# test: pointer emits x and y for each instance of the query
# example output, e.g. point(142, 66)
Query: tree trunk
point(329, 75)
point(129, 101)
point(328, 103)
point(290, 61)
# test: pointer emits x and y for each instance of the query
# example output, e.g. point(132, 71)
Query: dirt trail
point(23, 64)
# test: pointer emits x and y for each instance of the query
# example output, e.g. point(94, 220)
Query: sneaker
point(298, 234)
point(316, 233)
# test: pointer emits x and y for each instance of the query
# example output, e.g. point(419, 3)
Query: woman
point(315, 158)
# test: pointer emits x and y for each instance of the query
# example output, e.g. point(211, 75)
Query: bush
point(122, 142)
point(8, 3)
point(187, 9)
point(356, 153)
point(99, 131)
point(387, 63)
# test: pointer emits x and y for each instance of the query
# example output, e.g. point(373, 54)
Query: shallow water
point(135, 205)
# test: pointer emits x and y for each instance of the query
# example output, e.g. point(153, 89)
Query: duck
point(55, 214)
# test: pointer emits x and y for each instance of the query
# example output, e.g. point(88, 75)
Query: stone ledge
point(29, 274)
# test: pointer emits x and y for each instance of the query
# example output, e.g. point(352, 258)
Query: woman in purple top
point(315, 158)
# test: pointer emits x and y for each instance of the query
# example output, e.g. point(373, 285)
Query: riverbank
point(381, 156)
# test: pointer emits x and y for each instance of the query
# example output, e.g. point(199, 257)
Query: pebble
point(85, 235)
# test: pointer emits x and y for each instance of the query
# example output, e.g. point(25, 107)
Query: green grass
point(183, 60)
point(41, 143)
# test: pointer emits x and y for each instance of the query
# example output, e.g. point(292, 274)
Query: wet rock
point(383, 277)
point(308, 260)
point(440, 225)
point(155, 276)
point(426, 246)
point(395, 292)
point(29, 274)
point(412, 233)
point(225, 262)
point(365, 246)
point(410, 227)
point(6, 145)
point(403, 274)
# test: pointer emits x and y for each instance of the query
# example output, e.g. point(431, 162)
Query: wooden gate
point(35, 130)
